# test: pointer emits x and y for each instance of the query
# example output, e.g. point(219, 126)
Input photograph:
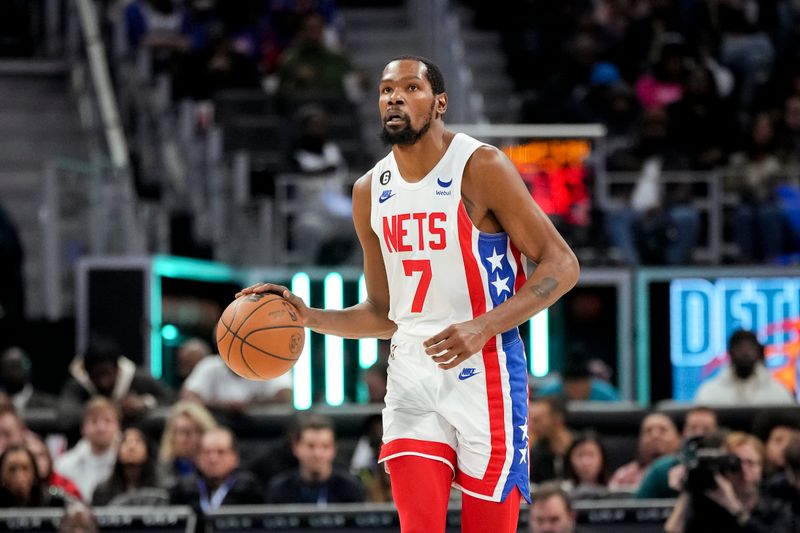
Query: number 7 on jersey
point(424, 267)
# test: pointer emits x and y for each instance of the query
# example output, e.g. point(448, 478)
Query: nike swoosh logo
point(468, 373)
point(386, 196)
point(444, 184)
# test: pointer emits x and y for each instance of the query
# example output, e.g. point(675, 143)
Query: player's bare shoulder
point(489, 178)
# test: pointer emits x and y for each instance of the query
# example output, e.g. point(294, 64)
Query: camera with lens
point(704, 458)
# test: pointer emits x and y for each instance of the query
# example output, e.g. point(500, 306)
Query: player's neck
point(415, 161)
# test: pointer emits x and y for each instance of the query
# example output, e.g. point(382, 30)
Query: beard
point(407, 135)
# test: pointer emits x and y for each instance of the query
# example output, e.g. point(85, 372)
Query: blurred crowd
point(743, 479)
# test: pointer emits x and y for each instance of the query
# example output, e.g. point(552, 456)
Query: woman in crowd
point(133, 481)
point(586, 467)
point(180, 442)
point(44, 464)
point(20, 485)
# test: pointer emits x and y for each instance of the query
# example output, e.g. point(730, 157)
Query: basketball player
point(444, 222)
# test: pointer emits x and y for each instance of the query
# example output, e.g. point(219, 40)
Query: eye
point(386, 90)
point(412, 87)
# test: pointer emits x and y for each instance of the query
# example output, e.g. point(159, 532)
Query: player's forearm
point(356, 322)
point(551, 279)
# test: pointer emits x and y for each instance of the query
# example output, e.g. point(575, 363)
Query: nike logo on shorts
point(467, 373)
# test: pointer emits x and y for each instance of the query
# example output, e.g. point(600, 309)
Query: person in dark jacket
point(133, 480)
point(315, 480)
point(219, 480)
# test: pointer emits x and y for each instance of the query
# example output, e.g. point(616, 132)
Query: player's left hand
point(455, 344)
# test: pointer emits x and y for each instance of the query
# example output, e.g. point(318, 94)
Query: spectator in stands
point(309, 65)
point(156, 26)
point(746, 381)
point(190, 353)
point(752, 178)
point(658, 436)
point(364, 462)
point(134, 480)
point(551, 511)
point(20, 485)
point(375, 378)
point(315, 480)
point(51, 479)
point(12, 427)
point(736, 503)
point(586, 466)
point(15, 379)
point(775, 428)
point(577, 383)
point(214, 385)
point(665, 85)
point(663, 478)
point(219, 480)
point(103, 371)
point(91, 460)
point(652, 229)
point(313, 151)
point(180, 441)
point(786, 486)
point(550, 438)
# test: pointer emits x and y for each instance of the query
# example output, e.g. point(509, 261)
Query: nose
point(395, 97)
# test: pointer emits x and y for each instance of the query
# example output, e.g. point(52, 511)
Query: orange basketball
point(259, 336)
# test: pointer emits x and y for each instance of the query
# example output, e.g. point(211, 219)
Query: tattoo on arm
point(543, 289)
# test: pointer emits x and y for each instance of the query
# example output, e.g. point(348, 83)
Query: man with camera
point(721, 489)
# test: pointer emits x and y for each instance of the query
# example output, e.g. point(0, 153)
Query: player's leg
point(421, 489)
point(479, 516)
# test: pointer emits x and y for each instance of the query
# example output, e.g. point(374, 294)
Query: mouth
point(395, 119)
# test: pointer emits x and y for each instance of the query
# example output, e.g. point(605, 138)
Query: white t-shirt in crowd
point(86, 469)
point(728, 389)
point(212, 380)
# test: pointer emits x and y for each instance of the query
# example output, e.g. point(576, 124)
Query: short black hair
point(577, 369)
point(742, 335)
point(432, 72)
point(101, 349)
point(557, 404)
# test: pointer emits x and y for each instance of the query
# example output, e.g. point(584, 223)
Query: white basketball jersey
point(441, 270)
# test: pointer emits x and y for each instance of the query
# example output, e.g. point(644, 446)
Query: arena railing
point(171, 519)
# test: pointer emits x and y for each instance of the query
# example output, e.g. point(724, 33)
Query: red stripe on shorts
point(494, 386)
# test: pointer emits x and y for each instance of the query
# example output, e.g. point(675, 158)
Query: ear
point(441, 104)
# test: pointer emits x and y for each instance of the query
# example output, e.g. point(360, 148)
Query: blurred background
point(157, 155)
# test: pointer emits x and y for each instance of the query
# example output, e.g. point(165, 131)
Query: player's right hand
point(280, 290)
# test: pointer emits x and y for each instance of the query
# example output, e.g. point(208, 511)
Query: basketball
point(260, 336)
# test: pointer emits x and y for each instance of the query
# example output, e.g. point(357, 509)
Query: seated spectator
point(51, 480)
point(180, 441)
point(775, 428)
point(315, 480)
point(313, 151)
point(662, 479)
point(155, 25)
point(12, 427)
point(786, 486)
point(20, 485)
point(218, 481)
point(658, 436)
point(586, 467)
point(190, 353)
point(578, 383)
point(550, 438)
point(214, 385)
point(736, 502)
point(15, 380)
point(364, 462)
point(309, 64)
point(753, 175)
point(665, 86)
point(91, 460)
point(133, 480)
point(551, 511)
point(103, 371)
point(375, 378)
point(746, 381)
